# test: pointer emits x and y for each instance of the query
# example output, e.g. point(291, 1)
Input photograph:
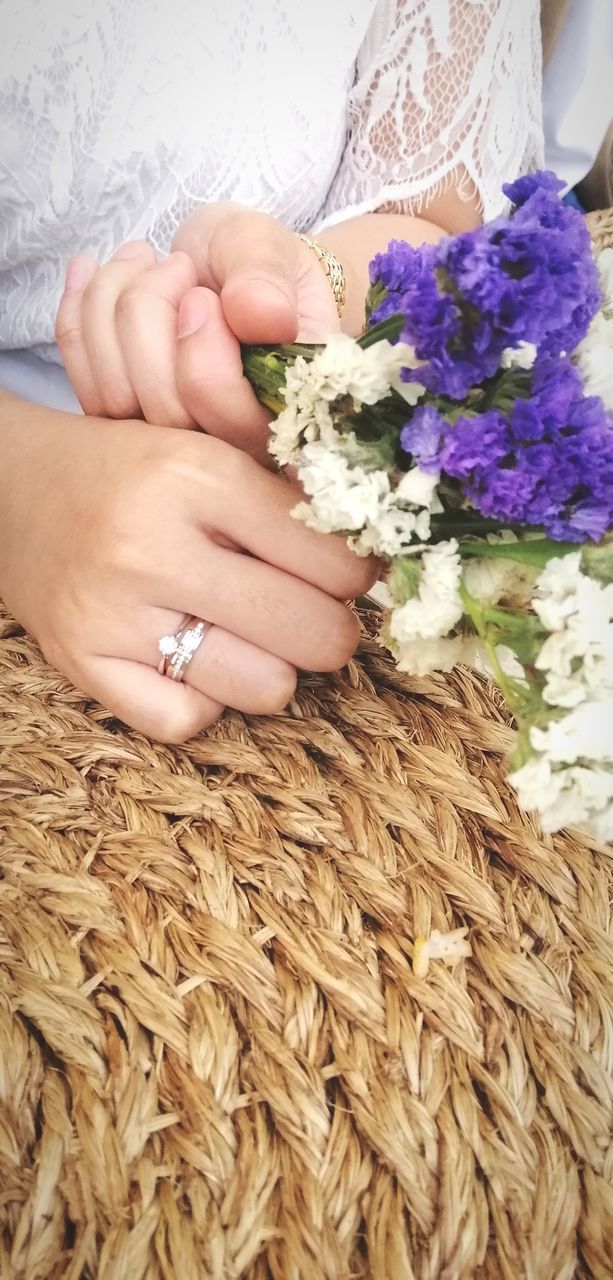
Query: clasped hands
point(131, 525)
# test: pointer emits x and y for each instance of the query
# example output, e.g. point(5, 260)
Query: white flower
point(563, 690)
point(393, 530)
point(605, 268)
point(596, 363)
point(437, 607)
point(569, 779)
point(404, 358)
point(595, 354)
point(490, 580)
point(601, 824)
point(419, 488)
point(442, 653)
point(556, 593)
point(411, 392)
point(578, 654)
point(403, 516)
point(586, 733)
point(342, 368)
point(578, 796)
point(343, 497)
point(520, 357)
point(388, 533)
point(304, 419)
point(381, 594)
point(447, 947)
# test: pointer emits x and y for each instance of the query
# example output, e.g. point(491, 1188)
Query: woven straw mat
point(216, 1060)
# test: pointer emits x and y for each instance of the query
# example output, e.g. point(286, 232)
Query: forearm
point(19, 421)
point(23, 425)
point(31, 469)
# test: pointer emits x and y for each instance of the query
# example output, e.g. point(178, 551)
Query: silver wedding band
point(178, 650)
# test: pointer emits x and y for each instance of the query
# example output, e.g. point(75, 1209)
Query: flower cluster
point(516, 280)
point(594, 353)
point(569, 775)
point(466, 438)
point(418, 632)
point(322, 391)
point(546, 460)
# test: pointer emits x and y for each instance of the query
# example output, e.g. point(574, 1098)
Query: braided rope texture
point(215, 1058)
point(600, 224)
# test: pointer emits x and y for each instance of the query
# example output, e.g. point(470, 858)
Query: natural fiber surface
point(600, 224)
point(215, 1058)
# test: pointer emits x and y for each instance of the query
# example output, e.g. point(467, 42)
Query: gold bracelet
point(332, 268)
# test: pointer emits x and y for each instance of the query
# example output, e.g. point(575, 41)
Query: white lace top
point(117, 117)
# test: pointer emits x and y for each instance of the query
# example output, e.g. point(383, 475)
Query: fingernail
point(78, 272)
point(192, 314)
point(132, 249)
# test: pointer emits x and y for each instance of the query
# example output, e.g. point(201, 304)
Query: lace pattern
point(447, 94)
point(119, 117)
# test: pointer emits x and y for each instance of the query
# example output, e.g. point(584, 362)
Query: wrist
point(332, 269)
point(28, 446)
point(356, 242)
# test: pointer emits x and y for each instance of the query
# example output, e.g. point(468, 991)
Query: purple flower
point(423, 435)
point(475, 446)
point(528, 276)
point(401, 264)
point(548, 463)
point(519, 192)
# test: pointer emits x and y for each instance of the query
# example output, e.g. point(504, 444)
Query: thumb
point(252, 262)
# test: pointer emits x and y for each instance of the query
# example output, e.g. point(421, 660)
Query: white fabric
point(118, 117)
point(26, 375)
point(578, 90)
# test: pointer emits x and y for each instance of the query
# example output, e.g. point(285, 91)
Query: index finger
point(253, 509)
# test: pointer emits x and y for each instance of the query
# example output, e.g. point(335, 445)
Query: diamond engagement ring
point(178, 650)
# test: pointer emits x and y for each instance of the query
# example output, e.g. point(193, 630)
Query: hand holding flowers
point(467, 438)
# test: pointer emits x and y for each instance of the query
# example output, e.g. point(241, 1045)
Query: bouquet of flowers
point(466, 438)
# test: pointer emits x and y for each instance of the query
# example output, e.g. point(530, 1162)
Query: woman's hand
point(162, 339)
point(111, 532)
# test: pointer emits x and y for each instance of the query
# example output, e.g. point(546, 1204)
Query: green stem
point(476, 615)
point(467, 524)
point(389, 328)
point(265, 369)
point(531, 551)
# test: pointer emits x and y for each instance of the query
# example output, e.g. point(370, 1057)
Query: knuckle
point(178, 469)
point(120, 402)
point(279, 689)
point(357, 576)
point(183, 723)
point(230, 471)
point(251, 223)
point(100, 292)
point(67, 329)
point(255, 237)
point(128, 302)
point(140, 248)
point(232, 220)
point(342, 636)
point(184, 265)
point(169, 412)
